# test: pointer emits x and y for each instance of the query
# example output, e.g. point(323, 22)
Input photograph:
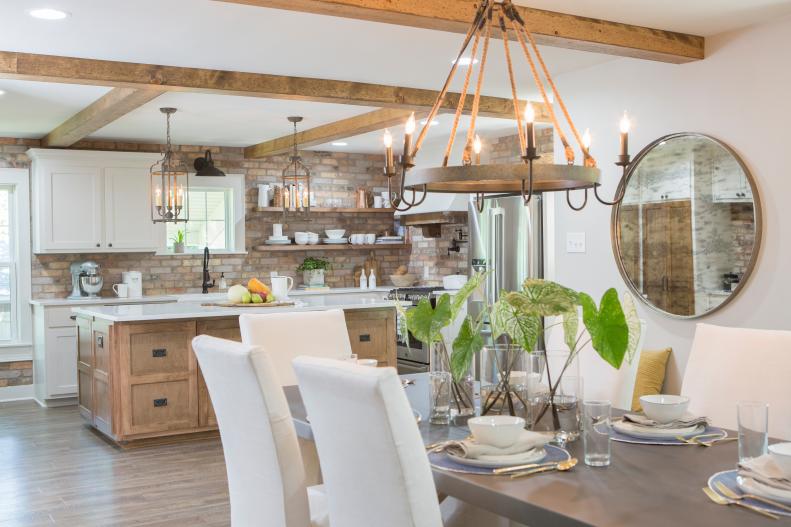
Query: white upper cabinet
point(86, 201)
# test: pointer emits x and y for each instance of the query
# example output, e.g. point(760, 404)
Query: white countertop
point(188, 310)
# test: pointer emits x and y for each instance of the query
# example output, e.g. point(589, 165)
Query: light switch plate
point(575, 242)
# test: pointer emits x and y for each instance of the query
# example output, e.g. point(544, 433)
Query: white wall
point(739, 94)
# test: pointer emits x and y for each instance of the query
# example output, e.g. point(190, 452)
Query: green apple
point(246, 298)
point(270, 298)
point(256, 298)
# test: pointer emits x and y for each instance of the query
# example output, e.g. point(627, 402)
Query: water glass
point(568, 403)
point(753, 418)
point(439, 393)
point(596, 432)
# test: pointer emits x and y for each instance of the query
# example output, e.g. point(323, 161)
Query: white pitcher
point(281, 285)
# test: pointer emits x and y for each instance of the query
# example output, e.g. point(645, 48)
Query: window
point(216, 216)
point(15, 313)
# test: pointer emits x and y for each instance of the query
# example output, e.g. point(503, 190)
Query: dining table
point(645, 485)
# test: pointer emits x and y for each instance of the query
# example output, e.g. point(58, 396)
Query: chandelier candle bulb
point(389, 163)
point(625, 125)
point(409, 129)
point(530, 117)
point(476, 148)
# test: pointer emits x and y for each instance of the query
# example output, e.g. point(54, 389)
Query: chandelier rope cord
point(476, 101)
point(462, 98)
point(512, 80)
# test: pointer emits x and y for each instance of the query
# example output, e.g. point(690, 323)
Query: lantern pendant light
point(169, 184)
point(296, 180)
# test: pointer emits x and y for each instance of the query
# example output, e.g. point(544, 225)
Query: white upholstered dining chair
point(375, 467)
point(265, 477)
point(289, 335)
point(727, 365)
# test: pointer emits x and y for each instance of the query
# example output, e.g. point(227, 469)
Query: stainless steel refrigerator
point(506, 238)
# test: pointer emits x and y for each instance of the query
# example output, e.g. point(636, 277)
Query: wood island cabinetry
point(141, 380)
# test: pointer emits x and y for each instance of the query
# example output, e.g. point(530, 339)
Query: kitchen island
point(139, 378)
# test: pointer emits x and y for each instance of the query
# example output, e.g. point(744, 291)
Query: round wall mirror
point(687, 232)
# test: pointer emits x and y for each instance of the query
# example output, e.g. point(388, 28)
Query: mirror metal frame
point(758, 211)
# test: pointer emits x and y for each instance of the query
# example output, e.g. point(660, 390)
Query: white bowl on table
point(334, 234)
point(781, 455)
point(500, 431)
point(664, 408)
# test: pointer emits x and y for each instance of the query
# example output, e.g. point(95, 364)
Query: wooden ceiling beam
point(50, 68)
point(112, 105)
point(550, 28)
point(359, 124)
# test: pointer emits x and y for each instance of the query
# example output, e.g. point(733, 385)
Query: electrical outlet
point(575, 242)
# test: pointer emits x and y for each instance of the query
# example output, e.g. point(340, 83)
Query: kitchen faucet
point(206, 284)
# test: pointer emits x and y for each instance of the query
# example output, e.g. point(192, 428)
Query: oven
point(413, 356)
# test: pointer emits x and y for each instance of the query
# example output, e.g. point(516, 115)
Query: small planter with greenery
point(313, 270)
point(178, 242)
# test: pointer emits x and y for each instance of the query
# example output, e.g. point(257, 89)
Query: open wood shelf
point(333, 247)
point(330, 209)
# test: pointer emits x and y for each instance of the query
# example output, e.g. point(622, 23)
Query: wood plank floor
point(54, 470)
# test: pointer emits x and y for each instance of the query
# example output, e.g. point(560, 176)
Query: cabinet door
point(61, 361)
point(372, 334)
point(71, 212)
point(126, 206)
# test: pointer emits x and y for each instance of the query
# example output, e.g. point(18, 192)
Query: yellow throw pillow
point(650, 375)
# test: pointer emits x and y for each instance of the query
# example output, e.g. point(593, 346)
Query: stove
point(413, 355)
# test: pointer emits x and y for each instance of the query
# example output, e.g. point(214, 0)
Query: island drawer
point(162, 406)
point(161, 350)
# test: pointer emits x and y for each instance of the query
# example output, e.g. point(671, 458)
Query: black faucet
point(206, 283)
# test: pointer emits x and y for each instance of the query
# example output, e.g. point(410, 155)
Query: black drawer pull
point(365, 338)
point(159, 352)
point(158, 403)
point(73, 317)
point(100, 341)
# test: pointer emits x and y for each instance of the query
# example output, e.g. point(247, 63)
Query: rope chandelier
point(495, 180)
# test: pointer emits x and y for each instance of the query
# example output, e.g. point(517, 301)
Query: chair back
point(265, 475)
point(727, 365)
point(374, 463)
point(289, 335)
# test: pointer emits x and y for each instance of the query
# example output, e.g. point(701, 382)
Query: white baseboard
point(56, 403)
point(16, 393)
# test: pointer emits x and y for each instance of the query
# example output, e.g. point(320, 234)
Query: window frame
point(234, 182)
point(20, 347)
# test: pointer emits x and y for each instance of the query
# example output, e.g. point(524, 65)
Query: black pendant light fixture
point(204, 166)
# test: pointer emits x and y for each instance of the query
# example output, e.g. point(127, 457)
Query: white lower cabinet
point(54, 355)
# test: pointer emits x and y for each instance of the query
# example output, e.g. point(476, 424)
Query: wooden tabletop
point(645, 485)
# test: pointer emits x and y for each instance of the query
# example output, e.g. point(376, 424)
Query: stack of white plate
point(335, 241)
point(278, 240)
point(389, 240)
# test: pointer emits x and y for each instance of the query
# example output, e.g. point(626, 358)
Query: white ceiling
point(203, 33)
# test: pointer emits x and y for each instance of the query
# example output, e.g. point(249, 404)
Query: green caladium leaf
point(425, 322)
point(606, 326)
point(545, 298)
point(468, 342)
point(461, 296)
point(571, 323)
point(522, 327)
point(635, 327)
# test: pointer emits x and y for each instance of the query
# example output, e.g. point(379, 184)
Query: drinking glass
point(753, 418)
point(439, 393)
point(567, 401)
point(596, 432)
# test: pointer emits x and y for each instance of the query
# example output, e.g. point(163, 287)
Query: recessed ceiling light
point(47, 13)
point(339, 143)
point(433, 123)
point(465, 61)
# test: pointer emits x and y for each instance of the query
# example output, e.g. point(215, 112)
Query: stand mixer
point(85, 280)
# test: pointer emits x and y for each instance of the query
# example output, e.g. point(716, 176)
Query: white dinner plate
point(278, 242)
point(531, 456)
point(750, 486)
point(642, 432)
point(332, 241)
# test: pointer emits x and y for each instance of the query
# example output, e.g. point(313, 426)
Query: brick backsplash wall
point(16, 373)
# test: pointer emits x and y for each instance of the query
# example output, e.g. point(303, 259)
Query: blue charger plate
point(442, 461)
point(672, 441)
point(728, 478)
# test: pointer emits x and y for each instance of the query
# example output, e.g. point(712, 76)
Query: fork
point(730, 494)
point(695, 440)
point(719, 500)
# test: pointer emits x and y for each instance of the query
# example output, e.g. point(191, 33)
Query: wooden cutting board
point(231, 304)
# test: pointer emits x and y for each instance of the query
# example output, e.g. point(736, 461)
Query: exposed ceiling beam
point(359, 124)
point(50, 68)
point(550, 28)
point(112, 105)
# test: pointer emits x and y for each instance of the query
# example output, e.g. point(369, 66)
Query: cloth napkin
point(685, 422)
point(764, 470)
point(471, 449)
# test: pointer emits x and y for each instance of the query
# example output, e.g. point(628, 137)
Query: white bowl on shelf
point(334, 234)
point(501, 431)
point(301, 238)
point(664, 408)
point(313, 238)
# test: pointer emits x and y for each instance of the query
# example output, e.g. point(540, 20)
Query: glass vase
point(556, 403)
point(508, 376)
point(462, 392)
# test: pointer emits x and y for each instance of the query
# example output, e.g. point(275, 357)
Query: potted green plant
point(313, 270)
point(178, 242)
point(517, 320)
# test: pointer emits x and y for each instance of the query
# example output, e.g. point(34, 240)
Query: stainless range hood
point(436, 210)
